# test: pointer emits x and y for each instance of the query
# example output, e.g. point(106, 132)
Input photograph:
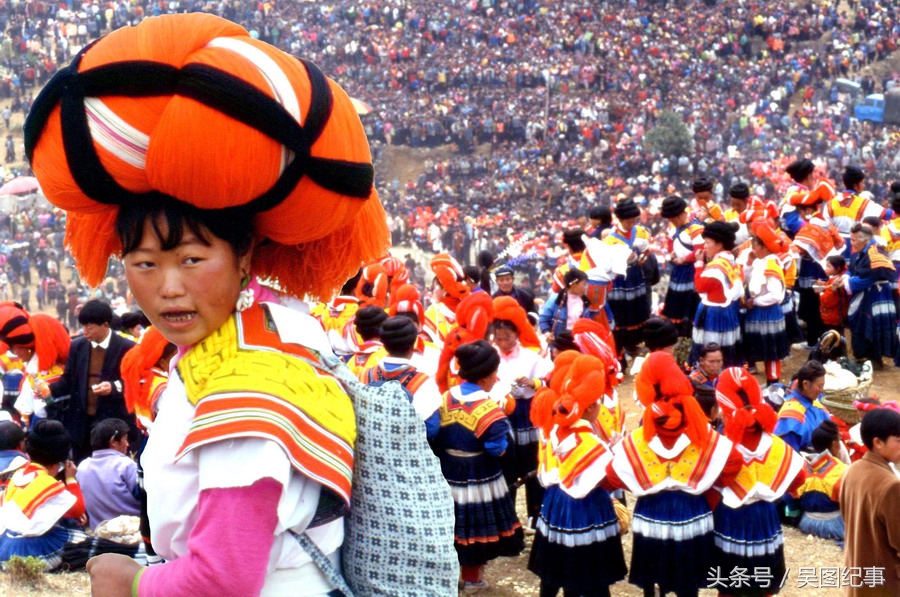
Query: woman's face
point(505, 339)
point(711, 247)
point(813, 388)
point(578, 287)
point(187, 292)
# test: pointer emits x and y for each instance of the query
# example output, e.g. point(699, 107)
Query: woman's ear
point(244, 262)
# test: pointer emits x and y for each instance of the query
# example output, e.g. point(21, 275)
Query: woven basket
point(840, 402)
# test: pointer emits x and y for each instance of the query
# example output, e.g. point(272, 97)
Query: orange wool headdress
point(595, 339)
point(668, 399)
point(774, 240)
point(137, 365)
point(473, 316)
point(372, 287)
point(584, 385)
point(396, 272)
point(508, 309)
point(44, 333)
point(406, 299)
point(189, 108)
point(740, 397)
point(545, 398)
point(450, 274)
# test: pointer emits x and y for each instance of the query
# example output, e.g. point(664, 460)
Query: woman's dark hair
point(881, 423)
point(106, 431)
point(809, 371)
point(477, 360)
point(837, 262)
point(47, 442)
point(504, 324)
point(895, 201)
point(572, 276)
point(174, 217)
point(824, 435)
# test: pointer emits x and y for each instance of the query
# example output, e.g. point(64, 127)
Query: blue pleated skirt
point(765, 337)
point(577, 546)
point(673, 542)
point(486, 526)
point(722, 326)
point(827, 525)
point(873, 323)
point(681, 298)
point(628, 298)
point(750, 537)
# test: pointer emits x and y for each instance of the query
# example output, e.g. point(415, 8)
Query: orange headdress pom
point(595, 339)
point(509, 309)
point(584, 385)
point(44, 333)
point(190, 108)
point(667, 393)
point(450, 274)
point(372, 287)
point(137, 365)
point(740, 397)
point(774, 240)
point(406, 299)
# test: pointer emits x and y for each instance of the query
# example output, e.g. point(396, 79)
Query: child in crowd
point(833, 298)
point(473, 435)
point(819, 494)
point(12, 450)
point(109, 478)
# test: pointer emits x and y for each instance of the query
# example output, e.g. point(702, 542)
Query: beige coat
point(870, 505)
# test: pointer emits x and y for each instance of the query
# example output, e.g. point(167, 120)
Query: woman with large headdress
point(748, 530)
point(520, 373)
point(205, 158)
point(670, 464)
point(41, 343)
point(577, 546)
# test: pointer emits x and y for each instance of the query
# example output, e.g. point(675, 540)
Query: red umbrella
point(20, 185)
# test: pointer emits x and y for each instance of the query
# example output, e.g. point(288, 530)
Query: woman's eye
point(143, 265)
point(192, 260)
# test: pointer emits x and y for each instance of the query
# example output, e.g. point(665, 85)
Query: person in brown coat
point(870, 505)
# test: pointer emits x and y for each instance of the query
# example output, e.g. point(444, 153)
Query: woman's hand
point(112, 575)
point(525, 382)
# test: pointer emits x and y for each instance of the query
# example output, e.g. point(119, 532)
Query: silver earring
point(245, 297)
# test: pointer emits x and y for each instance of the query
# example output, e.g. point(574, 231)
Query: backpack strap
point(324, 564)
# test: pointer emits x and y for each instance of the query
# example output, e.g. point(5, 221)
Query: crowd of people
point(554, 223)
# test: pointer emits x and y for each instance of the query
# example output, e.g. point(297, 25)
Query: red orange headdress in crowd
point(740, 398)
point(668, 399)
point(406, 299)
point(473, 316)
point(595, 339)
point(509, 309)
point(44, 333)
point(137, 370)
point(774, 240)
point(449, 274)
point(583, 386)
point(545, 398)
point(190, 108)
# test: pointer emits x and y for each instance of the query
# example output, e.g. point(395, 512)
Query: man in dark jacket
point(90, 388)
point(505, 277)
